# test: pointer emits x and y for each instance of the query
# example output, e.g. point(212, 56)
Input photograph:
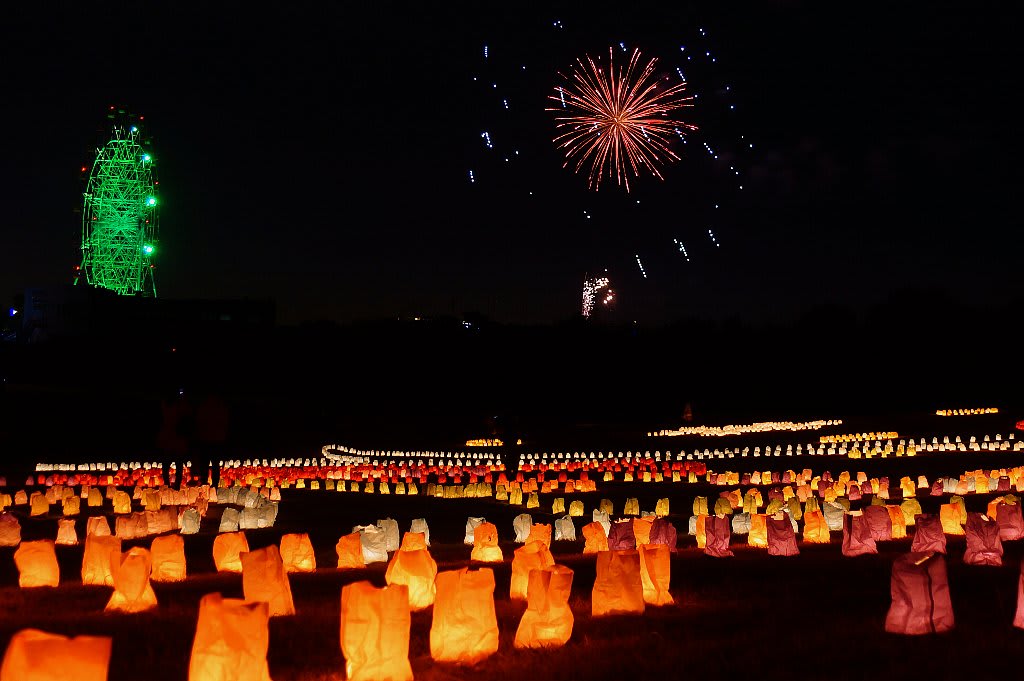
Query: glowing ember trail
point(617, 120)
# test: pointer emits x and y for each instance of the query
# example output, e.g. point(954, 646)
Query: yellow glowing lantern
point(375, 632)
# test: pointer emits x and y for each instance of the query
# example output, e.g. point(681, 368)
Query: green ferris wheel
point(120, 215)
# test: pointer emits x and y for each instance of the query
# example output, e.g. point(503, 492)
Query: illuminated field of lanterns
point(432, 564)
point(760, 427)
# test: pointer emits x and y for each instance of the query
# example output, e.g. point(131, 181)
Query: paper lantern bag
point(168, 553)
point(815, 528)
point(928, 534)
point(416, 569)
point(485, 544)
point(227, 550)
point(297, 553)
point(920, 595)
point(618, 586)
point(548, 620)
point(594, 538)
point(655, 574)
point(132, 590)
point(375, 632)
point(231, 640)
point(34, 655)
point(983, 544)
point(264, 579)
point(717, 533)
point(350, 551)
point(96, 563)
point(533, 556)
point(465, 626)
point(857, 539)
point(781, 538)
point(37, 564)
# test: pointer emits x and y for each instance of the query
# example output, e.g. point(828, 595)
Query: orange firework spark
point(618, 120)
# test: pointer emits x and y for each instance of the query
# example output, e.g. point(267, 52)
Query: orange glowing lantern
point(168, 553)
point(34, 655)
point(595, 538)
point(227, 550)
point(350, 551)
point(66, 534)
point(548, 620)
point(37, 564)
point(465, 626)
point(132, 590)
point(96, 559)
point(375, 632)
point(642, 529)
point(899, 522)
point(413, 567)
point(264, 579)
point(655, 574)
point(618, 587)
point(485, 544)
point(949, 516)
point(540, 532)
point(297, 553)
point(815, 528)
point(533, 556)
point(231, 640)
point(758, 535)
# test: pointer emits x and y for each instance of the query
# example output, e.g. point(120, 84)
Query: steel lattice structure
point(120, 224)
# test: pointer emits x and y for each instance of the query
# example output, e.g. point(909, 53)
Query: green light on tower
point(120, 218)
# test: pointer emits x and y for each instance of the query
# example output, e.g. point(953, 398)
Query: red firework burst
point(618, 120)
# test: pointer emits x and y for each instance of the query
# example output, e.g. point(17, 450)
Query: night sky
point(318, 155)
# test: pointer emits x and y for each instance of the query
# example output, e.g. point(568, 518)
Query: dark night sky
point(318, 155)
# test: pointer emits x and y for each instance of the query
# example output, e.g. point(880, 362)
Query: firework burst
point(618, 121)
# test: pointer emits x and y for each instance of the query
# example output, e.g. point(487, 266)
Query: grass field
point(817, 615)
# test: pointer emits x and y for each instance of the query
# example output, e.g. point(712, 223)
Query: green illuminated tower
point(120, 214)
